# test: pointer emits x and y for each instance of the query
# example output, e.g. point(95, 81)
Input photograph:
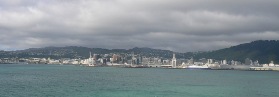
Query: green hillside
point(262, 50)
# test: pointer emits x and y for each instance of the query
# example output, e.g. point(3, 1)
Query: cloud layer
point(178, 25)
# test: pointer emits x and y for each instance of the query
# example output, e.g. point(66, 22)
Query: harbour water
point(18, 80)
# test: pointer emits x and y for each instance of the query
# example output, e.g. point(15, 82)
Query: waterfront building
point(34, 60)
point(166, 62)
point(271, 64)
point(157, 60)
point(90, 60)
point(173, 61)
point(114, 58)
point(191, 61)
point(53, 61)
point(139, 60)
point(145, 60)
point(198, 63)
point(256, 63)
point(224, 62)
point(203, 60)
point(232, 62)
point(210, 61)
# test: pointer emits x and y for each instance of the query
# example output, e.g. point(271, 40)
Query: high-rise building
point(173, 61)
point(114, 58)
point(209, 61)
point(224, 62)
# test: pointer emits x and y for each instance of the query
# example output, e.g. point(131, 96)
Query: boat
point(90, 65)
point(197, 67)
point(136, 66)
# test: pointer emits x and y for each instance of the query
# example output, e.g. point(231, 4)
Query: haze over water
point(76, 81)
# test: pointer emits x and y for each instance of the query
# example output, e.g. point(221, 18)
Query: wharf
point(265, 68)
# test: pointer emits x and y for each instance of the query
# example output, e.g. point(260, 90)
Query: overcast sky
point(178, 25)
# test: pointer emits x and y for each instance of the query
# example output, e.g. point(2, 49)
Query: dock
point(265, 68)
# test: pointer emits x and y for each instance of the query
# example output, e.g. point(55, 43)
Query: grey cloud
point(179, 25)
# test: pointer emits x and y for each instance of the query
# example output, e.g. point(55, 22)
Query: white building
point(173, 61)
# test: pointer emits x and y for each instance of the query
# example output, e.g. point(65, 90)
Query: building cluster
point(138, 60)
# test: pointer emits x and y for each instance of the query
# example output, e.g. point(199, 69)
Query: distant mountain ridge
point(262, 50)
point(82, 52)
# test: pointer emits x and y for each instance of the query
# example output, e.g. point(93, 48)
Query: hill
point(83, 52)
point(262, 50)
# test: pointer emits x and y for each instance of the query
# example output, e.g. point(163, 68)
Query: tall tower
point(90, 56)
point(114, 58)
point(225, 62)
point(173, 61)
point(90, 61)
point(133, 58)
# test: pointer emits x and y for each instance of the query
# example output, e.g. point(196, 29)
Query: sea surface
point(18, 80)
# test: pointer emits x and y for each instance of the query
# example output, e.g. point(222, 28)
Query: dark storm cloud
point(179, 25)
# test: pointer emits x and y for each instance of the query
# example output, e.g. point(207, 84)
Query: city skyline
point(177, 25)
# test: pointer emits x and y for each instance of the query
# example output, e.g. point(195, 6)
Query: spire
point(173, 56)
point(173, 61)
point(90, 56)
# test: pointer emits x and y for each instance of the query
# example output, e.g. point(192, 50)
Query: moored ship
point(197, 67)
